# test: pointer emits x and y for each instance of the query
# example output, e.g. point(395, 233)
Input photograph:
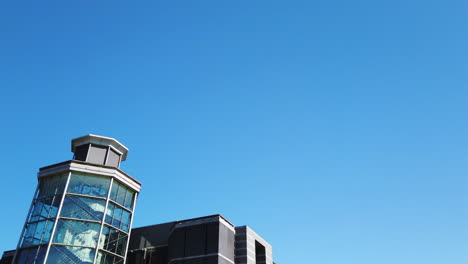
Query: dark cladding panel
point(150, 236)
point(195, 240)
point(156, 255)
point(97, 154)
point(159, 255)
point(177, 243)
point(200, 260)
point(212, 237)
point(81, 152)
point(113, 158)
point(136, 257)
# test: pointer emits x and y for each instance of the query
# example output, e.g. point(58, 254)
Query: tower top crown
point(99, 149)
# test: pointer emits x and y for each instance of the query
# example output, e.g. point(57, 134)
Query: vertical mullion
point(57, 218)
point(107, 156)
point(103, 219)
point(130, 226)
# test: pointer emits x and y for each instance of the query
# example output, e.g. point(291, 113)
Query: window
point(89, 185)
point(71, 255)
point(83, 208)
point(77, 233)
point(122, 195)
point(113, 241)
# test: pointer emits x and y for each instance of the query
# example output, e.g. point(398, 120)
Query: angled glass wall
point(77, 218)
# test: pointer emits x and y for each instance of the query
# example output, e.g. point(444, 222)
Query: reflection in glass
point(89, 185)
point(113, 240)
point(31, 255)
point(83, 208)
point(51, 185)
point(122, 195)
point(77, 233)
point(118, 217)
point(104, 258)
point(72, 255)
point(45, 208)
point(37, 233)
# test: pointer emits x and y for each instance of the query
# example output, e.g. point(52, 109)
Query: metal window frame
point(58, 216)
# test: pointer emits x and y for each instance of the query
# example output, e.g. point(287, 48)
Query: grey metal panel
point(97, 154)
point(226, 242)
point(113, 158)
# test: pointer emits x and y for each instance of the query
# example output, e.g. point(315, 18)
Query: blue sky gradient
point(336, 129)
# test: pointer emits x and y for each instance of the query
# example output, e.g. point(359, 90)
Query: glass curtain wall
point(92, 225)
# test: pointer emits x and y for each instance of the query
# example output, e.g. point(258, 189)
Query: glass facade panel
point(89, 185)
point(122, 195)
point(45, 208)
point(104, 258)
point(129, 199)
point(77, 233)
point(70, 255)
point(31, 255)
point(113, 241)
point(118, 217)
point(125, 222)
point(52, 185)
point(83, 208)
point(37, 233)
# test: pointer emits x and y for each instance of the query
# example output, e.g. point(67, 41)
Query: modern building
point(204, 240)
point(83, 209)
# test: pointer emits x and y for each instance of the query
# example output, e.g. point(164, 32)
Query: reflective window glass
point(28, 236)
point(104, 258)
point(51, 185)
point(27, 256)
point(110, 213)
point(77, 233)
point(113, 240)
point(41, 255)
point(89, 185)
point(33, 255)
point(72, 255)
point(83, 208)
point(37, 233)
point(125, 222)
point(122, 195)
point(45, 208)
point(129, 199)
point(114, 190)
point(118, 217)
point(47, 231)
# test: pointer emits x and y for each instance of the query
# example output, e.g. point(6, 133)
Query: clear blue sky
point(335, 129)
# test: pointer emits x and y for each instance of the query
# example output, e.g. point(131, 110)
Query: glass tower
point(82, 209)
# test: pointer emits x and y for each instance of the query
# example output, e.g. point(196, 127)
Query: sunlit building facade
point(82, 209)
